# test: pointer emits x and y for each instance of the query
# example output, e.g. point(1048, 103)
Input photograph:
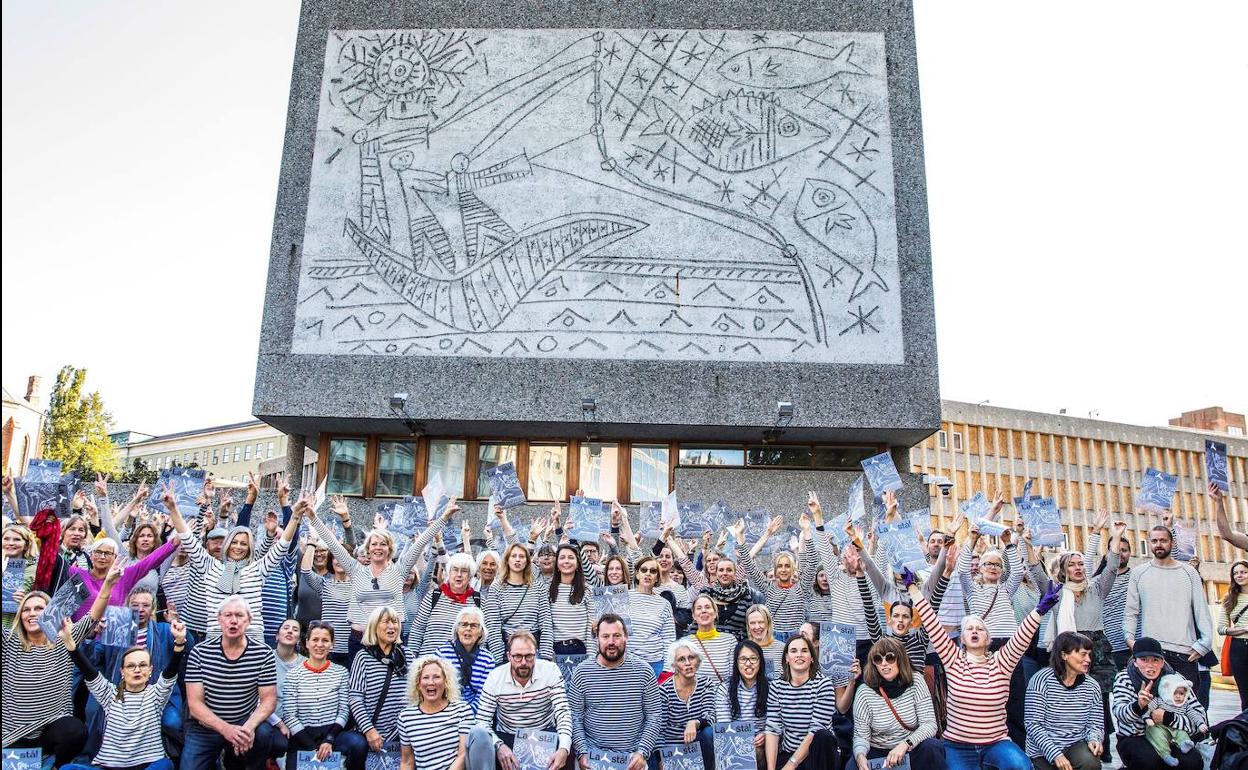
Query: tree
point(138, 473)
point(76, 429)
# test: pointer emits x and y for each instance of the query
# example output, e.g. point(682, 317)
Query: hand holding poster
point(586, 519)
point(505, 485)
point(65, 602)
point(535, 748)
point(14, 580)
point(734, 746)
point(882, 473)
point(306, 760)
point(1215, 465)
point(186, 484)
point(1156, 491)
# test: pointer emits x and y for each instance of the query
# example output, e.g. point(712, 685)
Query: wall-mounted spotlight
point(398, 401)
point(589, 408)
point(398, 405)
point(784, 410)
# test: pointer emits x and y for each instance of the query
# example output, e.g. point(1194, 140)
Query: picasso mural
point(643, 194)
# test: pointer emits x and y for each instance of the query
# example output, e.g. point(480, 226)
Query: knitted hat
point(1146, 646)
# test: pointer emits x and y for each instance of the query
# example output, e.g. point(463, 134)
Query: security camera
point(943, 482)
point(398, 400)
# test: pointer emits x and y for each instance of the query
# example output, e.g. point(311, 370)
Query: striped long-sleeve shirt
point(35, 688)
point(993, 603)
point(846, 604)
point(651, 627)
point(538, 704)
point(279, 585)
point(604, 720)
point(315, 698)
point(435, 738)
point(132, 722)
point(819, 607)
point(787, 605)
point(793, 712)
point(1115, 605)
point(512, 607)
point(1058, 716)
point(232, 685)
point(434, 621)
point(482, 664)
point(677, 712)
point(571, 621)
point(875, 726)
point(1124, 705)
point(747, 698)
point(916, 641)
point(251, 577)
point(367, 686)
point(977, 692)
point(335, 598)
point(716, 655)
point(369, 591)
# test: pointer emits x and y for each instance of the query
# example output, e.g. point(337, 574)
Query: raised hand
point(812, 503)
point(803, 521)
point(101, 485)
point(66, 633)
point(998, 502)
point(774, 525)
point(337, 504)
point(178, 629)
point(908, 578)
point(7, 484)
point(1050, 598)
point(452, 508)
point(253, 488)
point(1145, 696)
point(283, 489)
point(890, 504)
point(737, 530)
point(167, 498)
point(1102, 519)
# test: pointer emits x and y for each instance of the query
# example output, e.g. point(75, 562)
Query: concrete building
point(226, 451)
point(1087, 465)
point(23, 426)
point(539, 234)
point(1214, 418)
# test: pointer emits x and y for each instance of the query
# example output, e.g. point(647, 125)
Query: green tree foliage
point(76, 429)
point(138, 473)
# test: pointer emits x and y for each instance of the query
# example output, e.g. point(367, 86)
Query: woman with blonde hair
point(715, 647)
point(758, 626)
point(378, 679)
point(518, 601)
point(433, 730)
point(787, 592)
point(19, 543)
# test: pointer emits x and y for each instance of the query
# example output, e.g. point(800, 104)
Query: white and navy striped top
point(176, 583)
point(602, 719)
point(482, 665)
point(747, 698)
point(1057, 716)
point(677, 713)
point(716, 655)
point(251, 578)
point(540, 704)
point(315, 699)
point(572, 621)
point(335, 598)
point(232, 687)
point(368, 679)
point(368, 592)
point(512, 607)
point(1123, 701)
point(993, 603)
point(651, 627)
point(132, 725)
point(1115, 606)
point(434, 738)
point(434, 624)
point(819, 607)
point(795, 712)
point(875, 725)
point(35, 688)
point(787, 605)
point(845, 605)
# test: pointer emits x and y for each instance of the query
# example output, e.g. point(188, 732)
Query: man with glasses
point(527, 693)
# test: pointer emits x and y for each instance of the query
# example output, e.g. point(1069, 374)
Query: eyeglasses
point(996, 564)
point(469, 624)
point(522, 658)
point(748, 660)
point(136, 666)
point(887, 657)
point(647, 571)
point(103, 553)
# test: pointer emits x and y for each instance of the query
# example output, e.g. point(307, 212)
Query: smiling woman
point(893, 714)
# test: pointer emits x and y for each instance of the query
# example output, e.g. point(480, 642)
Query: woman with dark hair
point(651, 627)
point(893, 712)
point(1064, 728)
point(744, 695)
point(799, 708)
point(1235, 625)
point(571, 613)
point(1137, 704)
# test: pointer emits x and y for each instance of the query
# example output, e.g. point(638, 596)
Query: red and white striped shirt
point(977, 692)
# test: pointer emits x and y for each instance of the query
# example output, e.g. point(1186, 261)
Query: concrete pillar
point(295, 444)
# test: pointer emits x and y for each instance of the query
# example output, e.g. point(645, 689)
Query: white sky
point(1086, 167)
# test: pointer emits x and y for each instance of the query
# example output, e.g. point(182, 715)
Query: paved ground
point(1223, 704)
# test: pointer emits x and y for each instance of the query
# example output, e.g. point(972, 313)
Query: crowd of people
point(254, 641)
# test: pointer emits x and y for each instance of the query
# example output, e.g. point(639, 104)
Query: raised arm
point(1237, 539)
point(694, 578)
point(868, 608)
point(418, 545)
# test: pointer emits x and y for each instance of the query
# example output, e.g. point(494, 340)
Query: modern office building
point(226, 451)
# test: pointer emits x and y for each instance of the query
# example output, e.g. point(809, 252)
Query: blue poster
point(1184, 540)
point(609, 760)
point(856, 509)
point(65, 602)
point(23, 759)
point(505, 485)
point(120, 626)
point(902, 545)
point(404, 516)
point(1215, 464)
point(186, 485)
point(1156, 491)
point(14, 580)
point(35, 496)
point(586, 520)
point(881, 473)
point(692, 522)
point(651, 514)
point(837, 647)
point(535, 748)
point(787, 539)
point(679, 756)
point(306, 760)
point(976, 508)
point(756, 524)
point(567, 665)
point(43, 471)
point(882, 763)
point(612, 599)
point(922, 521)
point(836, 527)
point(1044, 519)
point(734, 746)
point(389, 758)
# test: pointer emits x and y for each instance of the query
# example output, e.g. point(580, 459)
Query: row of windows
point(610, 471)
point(236, 453)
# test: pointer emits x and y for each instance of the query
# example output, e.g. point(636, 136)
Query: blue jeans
point(160, 764)
point(204, 746)
point(1002, 755)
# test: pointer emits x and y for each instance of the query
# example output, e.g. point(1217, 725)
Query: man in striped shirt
point(526, 693)
point(231, 688)
point(604, 704)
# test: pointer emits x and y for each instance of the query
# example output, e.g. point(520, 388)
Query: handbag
point(1226, 645)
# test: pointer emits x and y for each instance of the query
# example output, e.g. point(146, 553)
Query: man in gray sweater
point(1168, 599)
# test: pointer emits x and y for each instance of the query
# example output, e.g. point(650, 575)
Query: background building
point(23, 426)
point(226, 451)
point(1214, 418)
point(1086, 465)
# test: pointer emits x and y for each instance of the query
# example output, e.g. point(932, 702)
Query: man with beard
point(1166, 598)
point(605, 704)
point(526, 693)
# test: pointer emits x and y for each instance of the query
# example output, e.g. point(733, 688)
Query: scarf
point(463, 598)
point(706, 636)
point(892, 689)
point(231, 571)
point(467, 658)
point(1138, 680)
point(397, 659)
point(47, 529)
point(729, 595)
point(1065, 619)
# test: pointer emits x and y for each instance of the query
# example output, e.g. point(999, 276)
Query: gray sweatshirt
point(1169, 603)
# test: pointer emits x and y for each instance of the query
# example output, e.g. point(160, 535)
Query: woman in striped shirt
point(978, 685)
point(467, 654)
point(714, 646)
point(745, 695)
point(688, 701)
point(518, 601)
point(19, 543)
point(893, 712)
point(379, 581)
point(315, 691)
point(1063, 708)
point(333, 588)
point(786, 593)
point(378, 674)
point(570, 601)
point(433, 731)
point(799, 709)
point(132, 709)
point(434, 621)
point(650, 625)
point(758, 626)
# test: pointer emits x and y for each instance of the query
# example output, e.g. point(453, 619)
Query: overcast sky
point(1086, 167)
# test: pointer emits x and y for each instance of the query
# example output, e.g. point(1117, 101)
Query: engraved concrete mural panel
point(653, 194)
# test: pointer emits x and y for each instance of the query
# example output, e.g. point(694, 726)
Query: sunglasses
point(647, 571)
point(887, 657)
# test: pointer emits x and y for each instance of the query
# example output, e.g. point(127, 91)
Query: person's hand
point(338, 504)
point(556, 513)
point(889, 499)
point(237, 737)
point(1144, 696)
point(607, 538)
point(323, 751)
point(583, 762)
point(140, 493)
point(1007, 537)
point(285, 730)
point(283, 489)
point(76, 504)
point(465, 531)
point(1102, 518)
point(7, 484)
point(908, 578)
point(737, 530)
point(506, 758)
point(18, 595)
point(1027, 537)
point(1120, 528)
point(167, 498)
point(1167, 519)
point(452, 508)
point(617, 514)
point(998, 502)
point(855, 670)
point(774, 525)
point(114, 574)
point(812, 504)
point(1050, 598)
point(1195, 562)
point(760, 740)
point(1214, 491)
point(558, 760)
point(803, 522)
point(535, 529)
point(861, 760)
point(374, 739)
point(66, 633)
point(1095, 748)
point(270, 522)
point(956, 523)
point(178, 629)
point(1062, 763)
point(499, 513)
point(1158, 716)
point(691, 731)
point(637, 761)
point(93, 513)
point(897, 755)
point(665, 533)
point(1193, 656)
point(101, 485)
point(253, 488)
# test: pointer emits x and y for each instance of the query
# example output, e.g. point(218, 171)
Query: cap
point(1146, 646)
point(217, 532)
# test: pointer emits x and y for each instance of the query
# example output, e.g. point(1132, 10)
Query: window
point(259, 449)
point(779, 456)
point(649, 478)
point(712, 455)
point(548, 472)
point(957, 441)
point(491, 456)
point(214, 457)
point(396, 468)
point(169, 461)
point(600, 470)
point(346, 466)
point(195, 457)
point(247, 453)
point(186, 458)
point(237, 453)
point(448, 460)
point(1234, 430)
point(844, 457)
point(942, 439)
point(270, 450)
